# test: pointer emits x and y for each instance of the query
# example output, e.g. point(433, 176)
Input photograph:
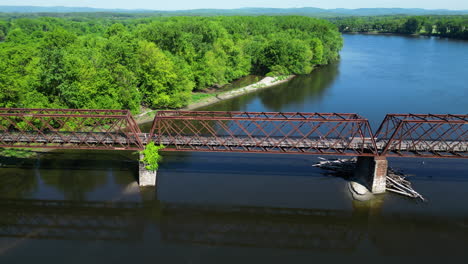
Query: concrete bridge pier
point(373, 172)
point(145, 177)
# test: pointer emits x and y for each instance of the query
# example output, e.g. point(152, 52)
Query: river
point(85, 207)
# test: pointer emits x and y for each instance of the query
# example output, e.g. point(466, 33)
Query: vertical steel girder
point(270, 132)
point(69, 129)
point(432, 136)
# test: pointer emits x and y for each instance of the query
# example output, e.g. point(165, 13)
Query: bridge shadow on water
point(70, 220)
point(180, 223)
point(364, 230)
point(158, 226)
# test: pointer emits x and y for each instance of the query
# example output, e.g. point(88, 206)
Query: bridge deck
point(226, 143)
point(404, 135)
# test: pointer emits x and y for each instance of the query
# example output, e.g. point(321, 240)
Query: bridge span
point(340, 134)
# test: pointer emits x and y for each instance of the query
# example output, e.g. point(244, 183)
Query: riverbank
point(206, 99)
point(199, 100)
point(402, 34)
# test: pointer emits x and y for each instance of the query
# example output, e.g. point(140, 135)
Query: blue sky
point(193, 4)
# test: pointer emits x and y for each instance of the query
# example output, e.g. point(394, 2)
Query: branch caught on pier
point(340, 167)
point(396, 181)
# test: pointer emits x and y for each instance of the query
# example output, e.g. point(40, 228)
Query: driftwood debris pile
point(345, 166)
point(396, 181)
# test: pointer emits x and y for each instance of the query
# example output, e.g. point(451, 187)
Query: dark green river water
point(86, 207)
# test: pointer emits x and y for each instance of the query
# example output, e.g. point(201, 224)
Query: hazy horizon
point(212, 4)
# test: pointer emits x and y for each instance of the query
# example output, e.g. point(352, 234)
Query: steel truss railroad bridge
point(399, 135)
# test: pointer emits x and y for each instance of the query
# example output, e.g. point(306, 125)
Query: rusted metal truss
point(69, 129)
point(432, 136)
point(403, 135)
point(266, 132)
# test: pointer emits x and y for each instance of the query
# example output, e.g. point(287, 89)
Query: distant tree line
point(443, 26)
point(123, 63)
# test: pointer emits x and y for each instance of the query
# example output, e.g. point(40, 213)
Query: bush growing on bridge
point(151, 156)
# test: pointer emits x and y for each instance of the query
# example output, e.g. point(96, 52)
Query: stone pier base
point(373, 172)
point(146, 177)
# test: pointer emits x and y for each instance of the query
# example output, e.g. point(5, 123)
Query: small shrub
point(151, 156)
point(260, 85)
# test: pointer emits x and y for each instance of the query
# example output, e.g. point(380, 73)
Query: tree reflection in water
point(17, 181)
point(301, 89)
point(305, 88)
point(322, 230)
point(70, 220)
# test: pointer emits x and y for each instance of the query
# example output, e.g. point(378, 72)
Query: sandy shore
point(266, 82)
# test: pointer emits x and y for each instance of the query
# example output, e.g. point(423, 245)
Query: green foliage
point(196, 97)
point(455, 26)
point(282, 56)
point(151, 156)
point(122, 62)
point(280, 78)
point(17, 153)
point(162, 84)
point(411, 26)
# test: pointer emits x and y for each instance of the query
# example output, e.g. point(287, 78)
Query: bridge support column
point(372, 171)
point(146, 177)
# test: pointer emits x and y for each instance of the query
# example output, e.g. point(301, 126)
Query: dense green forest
point(115, 63)
point(443, 26)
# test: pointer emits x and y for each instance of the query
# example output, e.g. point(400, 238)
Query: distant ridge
point(63, 9)
point(308, 11)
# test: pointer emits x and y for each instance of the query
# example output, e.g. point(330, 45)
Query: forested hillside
point(442, 26)
point(86, 62)
point(246, 11)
